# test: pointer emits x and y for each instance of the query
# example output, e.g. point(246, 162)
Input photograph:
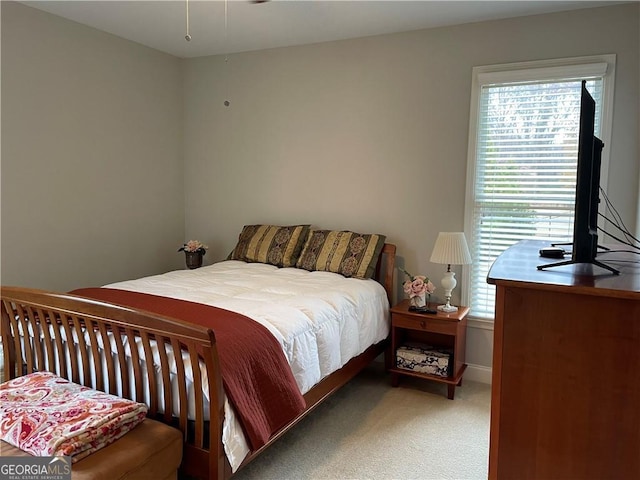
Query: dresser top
point(518, 265)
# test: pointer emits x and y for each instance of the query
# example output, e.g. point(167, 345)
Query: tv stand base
point(573, 262)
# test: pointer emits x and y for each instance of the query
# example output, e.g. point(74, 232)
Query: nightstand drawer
point(425, 324)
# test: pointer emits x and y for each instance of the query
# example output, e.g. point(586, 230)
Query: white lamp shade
point(451, 249)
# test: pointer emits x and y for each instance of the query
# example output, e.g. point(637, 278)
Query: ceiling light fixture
point(226, 55)
point(187, 37)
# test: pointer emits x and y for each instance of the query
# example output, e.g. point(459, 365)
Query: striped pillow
point(276, 245)
point(347, 253)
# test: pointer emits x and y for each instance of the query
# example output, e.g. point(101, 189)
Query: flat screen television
point(585, 225)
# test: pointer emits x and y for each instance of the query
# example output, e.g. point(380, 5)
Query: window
point(523, 147)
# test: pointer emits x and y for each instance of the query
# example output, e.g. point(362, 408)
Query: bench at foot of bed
point(151, 451)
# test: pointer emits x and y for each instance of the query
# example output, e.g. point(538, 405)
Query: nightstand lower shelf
point(452, 382)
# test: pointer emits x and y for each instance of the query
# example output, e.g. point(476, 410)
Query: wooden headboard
point(385, 268)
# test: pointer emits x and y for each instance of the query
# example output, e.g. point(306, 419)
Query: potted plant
point(418, 288)
point(194, 250)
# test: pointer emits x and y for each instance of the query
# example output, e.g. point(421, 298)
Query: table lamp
point(450, 249)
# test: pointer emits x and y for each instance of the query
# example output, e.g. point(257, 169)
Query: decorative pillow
point(279, 246)
point(348, 253)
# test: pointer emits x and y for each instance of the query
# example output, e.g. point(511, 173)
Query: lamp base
point(447, 308)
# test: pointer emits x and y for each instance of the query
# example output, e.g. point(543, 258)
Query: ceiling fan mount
point(187, 37)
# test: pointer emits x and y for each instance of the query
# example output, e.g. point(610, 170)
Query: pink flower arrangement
point(418, 285)
point(194, 246)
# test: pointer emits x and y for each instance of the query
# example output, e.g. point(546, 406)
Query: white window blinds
point(524, 175)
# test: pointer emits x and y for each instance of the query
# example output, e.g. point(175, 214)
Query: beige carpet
point(369, 430)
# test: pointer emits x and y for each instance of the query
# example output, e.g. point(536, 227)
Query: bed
point(105, 345)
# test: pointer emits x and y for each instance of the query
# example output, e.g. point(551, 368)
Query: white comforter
point(321, 319)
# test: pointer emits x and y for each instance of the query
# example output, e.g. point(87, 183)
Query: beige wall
point(92, 184)
point(371, 134)
point(368, 134)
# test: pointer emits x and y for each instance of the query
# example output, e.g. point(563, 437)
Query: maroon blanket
point(255, 373)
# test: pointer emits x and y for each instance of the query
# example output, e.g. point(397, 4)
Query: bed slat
point(151, 378)
point(48, 342)
point(197, 389)
point(106, 348)
point(25, 345)
point(78, 330)
point(135, 363)
point(95, 353)
point(182, 386)
point(166, 379)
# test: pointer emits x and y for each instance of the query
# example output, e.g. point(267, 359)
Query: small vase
point(194, 259)
point(418, 301)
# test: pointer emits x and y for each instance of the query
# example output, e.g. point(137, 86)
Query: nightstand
point(440, 330)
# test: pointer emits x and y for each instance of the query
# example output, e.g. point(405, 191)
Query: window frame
point(602, 66)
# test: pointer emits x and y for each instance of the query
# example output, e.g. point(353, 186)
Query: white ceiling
point(277, 23)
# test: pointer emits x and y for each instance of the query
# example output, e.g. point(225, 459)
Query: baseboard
point(477, 373)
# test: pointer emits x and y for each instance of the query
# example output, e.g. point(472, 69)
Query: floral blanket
point(46, 415)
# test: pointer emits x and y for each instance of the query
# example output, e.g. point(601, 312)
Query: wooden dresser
point(565, 400)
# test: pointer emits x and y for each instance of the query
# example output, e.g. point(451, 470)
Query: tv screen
point(585, 226)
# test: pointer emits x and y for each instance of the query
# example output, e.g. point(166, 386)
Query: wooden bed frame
point(55, 317)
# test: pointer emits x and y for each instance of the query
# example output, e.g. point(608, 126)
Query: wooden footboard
point(51, 319)
point(105, 347)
